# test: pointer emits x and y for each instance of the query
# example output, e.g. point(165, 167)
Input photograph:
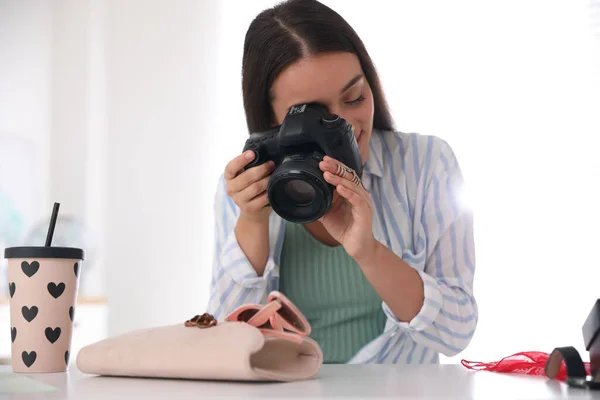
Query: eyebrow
point(351, 83)
point(347, 86)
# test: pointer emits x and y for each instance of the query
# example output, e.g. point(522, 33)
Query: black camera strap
point(577, 375)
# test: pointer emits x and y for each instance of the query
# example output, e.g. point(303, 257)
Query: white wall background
point(25, 89)
point(135, 107)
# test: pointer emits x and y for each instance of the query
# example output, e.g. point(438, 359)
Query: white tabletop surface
point(334, 381)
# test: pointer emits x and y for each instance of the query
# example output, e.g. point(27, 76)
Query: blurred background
point(126, 112)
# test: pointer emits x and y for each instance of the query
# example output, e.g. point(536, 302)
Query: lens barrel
point(297, 190)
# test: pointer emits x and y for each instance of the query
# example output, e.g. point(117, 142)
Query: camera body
point(591, 338)
point(297, 190)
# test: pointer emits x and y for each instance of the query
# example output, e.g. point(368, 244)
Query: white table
point(334, 381)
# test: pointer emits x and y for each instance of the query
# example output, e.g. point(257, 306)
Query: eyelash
point(356, 101)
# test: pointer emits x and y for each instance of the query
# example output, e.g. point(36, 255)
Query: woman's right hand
point(248, 188)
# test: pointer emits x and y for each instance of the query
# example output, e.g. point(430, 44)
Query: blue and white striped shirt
point(415, 182)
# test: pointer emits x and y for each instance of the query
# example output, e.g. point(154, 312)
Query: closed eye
point(358, 100)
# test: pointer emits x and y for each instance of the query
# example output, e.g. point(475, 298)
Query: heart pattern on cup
point(29, 358)
point(30, 269)
point(56, 290)
point(52, 334)
point(31, 312)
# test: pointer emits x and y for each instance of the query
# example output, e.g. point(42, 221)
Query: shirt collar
point(374, 164)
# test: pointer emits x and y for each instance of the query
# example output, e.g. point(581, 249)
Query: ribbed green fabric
point(329, 288)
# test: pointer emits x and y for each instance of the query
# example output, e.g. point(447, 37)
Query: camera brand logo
point(297, 109)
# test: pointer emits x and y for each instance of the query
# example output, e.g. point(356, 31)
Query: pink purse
point(254, 343)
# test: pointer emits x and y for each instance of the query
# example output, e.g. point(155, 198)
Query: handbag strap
point(269, 320)
point(577, 375)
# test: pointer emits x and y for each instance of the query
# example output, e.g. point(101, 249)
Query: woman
point(386, 275)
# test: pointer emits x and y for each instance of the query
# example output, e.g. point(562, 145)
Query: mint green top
point(329, 288)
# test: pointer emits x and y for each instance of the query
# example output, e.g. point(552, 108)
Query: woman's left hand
point(349, 220)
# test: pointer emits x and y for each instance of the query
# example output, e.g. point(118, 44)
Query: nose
point(334, 110)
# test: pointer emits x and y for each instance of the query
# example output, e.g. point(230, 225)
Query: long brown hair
point(284, 34)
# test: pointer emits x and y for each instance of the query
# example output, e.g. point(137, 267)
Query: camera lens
point(297, 190)
point(301, 192)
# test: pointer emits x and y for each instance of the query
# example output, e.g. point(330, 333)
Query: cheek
point(361, 120)
point(358, 118)
point(361, 117)
point(366, 126)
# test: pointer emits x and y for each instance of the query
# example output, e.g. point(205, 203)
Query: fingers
point(247, 188)
point(250, 192)
point(330, 165)
point(347, 183)
point(354, 198)
point(338, 181)
point(235, 166)
point(357, 196)
point(248, 177)
point(257, 204)
point(339, 169)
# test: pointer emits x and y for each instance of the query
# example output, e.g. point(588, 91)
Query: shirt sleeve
point(447, 320)
point(234, 281)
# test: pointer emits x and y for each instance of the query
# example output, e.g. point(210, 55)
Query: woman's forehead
point(318, 78)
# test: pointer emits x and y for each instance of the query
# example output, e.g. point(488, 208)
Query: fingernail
point(249, 155)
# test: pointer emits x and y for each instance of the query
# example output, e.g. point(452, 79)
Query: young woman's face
point(335, 80)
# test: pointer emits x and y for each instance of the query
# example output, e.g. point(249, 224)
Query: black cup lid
point(30, 252)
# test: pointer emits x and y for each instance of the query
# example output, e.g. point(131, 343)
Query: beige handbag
point(255, 343)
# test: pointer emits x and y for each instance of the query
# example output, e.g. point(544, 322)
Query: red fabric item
point(527, 362)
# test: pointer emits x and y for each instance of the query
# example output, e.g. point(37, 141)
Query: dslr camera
point(297, 190)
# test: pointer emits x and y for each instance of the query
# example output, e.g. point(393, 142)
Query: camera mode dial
point(331, 121)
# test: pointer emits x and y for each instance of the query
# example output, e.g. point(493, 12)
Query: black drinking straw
point(52, 224)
